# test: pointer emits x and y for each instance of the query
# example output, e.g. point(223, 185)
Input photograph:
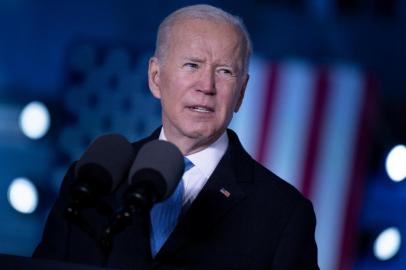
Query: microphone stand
point(137, 201)
point(83, 197)
point(74, 214)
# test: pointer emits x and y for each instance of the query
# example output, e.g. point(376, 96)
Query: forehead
point(219, 39)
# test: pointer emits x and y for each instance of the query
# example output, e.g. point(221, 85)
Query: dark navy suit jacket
point(263, 223)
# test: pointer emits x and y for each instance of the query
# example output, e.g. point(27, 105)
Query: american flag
point(225, 192)
point(308, 124)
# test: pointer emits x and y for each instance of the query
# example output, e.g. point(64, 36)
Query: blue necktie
point(164, 215)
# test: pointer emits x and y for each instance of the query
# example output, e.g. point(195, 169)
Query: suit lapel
point(221, 193)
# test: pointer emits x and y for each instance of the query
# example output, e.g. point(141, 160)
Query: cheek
point(168, 90)
point(172, 94)
point(228, 98)
point(179, 88)
point(227, 104)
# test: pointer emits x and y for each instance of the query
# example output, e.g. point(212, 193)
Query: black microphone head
point(160, 166)
point(103, 165)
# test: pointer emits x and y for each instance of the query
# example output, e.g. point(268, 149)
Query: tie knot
point(188, 164)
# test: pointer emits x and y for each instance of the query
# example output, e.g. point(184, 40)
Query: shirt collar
point(207, 159)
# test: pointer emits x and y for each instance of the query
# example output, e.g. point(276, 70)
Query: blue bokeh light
point(35, 120)
point(23, 195)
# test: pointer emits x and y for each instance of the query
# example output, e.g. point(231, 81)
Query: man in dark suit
point(236, 214)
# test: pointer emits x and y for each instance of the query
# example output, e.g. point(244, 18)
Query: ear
point(242, 93)
point(153, 77)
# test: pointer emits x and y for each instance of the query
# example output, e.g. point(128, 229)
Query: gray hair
point(203, 12)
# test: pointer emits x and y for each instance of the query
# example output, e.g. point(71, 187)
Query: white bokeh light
point(387, 244)
point(35, 120)
point(396, 163)
point(23, 195)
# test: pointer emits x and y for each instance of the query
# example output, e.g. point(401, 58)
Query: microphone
point(154, 174)
point(101, 168)
point(153, 177)
point(97, 173)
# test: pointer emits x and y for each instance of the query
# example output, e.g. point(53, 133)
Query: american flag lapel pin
point(225, 192)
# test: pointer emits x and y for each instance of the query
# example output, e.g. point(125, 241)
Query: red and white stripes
point(304, 123)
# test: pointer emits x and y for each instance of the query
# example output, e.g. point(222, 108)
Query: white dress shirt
point(204, 162)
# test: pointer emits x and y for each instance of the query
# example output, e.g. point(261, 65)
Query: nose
point(207, 82)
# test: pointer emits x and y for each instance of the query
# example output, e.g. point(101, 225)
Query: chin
point(198, 131)
point(203, 133)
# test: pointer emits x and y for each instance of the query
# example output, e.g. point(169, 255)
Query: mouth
point(201, 109)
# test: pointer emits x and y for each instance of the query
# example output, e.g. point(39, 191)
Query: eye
point(191, 65)
point(225, 72)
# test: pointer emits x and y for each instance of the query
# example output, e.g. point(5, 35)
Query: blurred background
point(325, 108)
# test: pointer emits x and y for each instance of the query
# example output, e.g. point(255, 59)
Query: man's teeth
point(200, 109)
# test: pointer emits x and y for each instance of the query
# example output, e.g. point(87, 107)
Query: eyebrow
point(200, 60)
point(194, 59)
